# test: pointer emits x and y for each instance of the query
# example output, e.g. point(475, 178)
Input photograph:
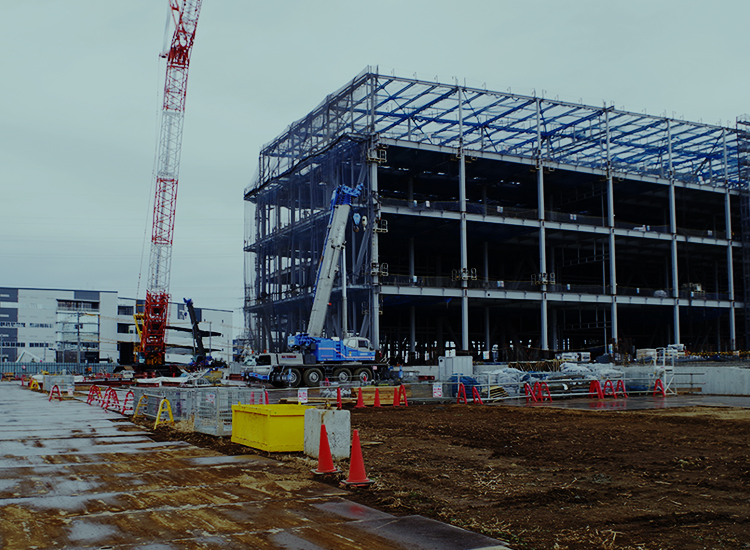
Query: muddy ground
point(543, 478)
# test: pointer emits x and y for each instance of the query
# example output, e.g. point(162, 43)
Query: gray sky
point(81, 85)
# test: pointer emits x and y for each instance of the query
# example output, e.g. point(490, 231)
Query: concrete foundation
point(338, 425)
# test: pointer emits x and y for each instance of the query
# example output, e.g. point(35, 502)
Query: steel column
point(462, 230)
point(413, 332)
point(374, 258)
point(542, 233)
point(730, 271)
point(673, 231)
point(611, 224)
point(487, 346)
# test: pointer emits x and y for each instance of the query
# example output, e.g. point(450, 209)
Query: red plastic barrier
point(621, 388)
point(130, 395)
point(111, 400)
point(530, 395)
point(461, 396)
point(659, 387)
point(52, 392)
point(539, 389)
point(595, 389)
point(475, 396)
point(95, 394)
point(609, 388)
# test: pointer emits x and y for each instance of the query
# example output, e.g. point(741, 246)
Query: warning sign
point(437, 390)
point(302, 395)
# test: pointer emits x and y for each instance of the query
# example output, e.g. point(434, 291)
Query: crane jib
point(155, 315)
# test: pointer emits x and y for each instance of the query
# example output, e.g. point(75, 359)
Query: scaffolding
point(535, 180)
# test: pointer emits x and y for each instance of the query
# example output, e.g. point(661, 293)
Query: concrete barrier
point(338, 426)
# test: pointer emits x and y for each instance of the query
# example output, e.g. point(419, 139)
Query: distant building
point(90, 326)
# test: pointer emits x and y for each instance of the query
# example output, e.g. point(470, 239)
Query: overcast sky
point(81, 84)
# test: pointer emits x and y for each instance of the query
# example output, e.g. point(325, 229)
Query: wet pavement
point(74, 476)
point(640, 402)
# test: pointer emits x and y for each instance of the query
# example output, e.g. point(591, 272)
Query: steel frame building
point(501, 222)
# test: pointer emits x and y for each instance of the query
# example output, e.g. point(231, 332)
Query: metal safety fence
point(19, 369)
point(209, 409)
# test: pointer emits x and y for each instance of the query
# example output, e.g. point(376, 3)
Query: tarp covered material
point(508, 378)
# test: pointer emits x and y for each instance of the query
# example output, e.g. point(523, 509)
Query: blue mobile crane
point(314, 357)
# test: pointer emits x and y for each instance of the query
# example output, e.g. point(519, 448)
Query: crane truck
point(313, 357)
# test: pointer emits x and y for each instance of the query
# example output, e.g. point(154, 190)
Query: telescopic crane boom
point(185, 15)
point(341, 204)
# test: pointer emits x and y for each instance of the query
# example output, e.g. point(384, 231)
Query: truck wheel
point(363, 375)
point(342, 376)
point(294, 378)
point(312, 377)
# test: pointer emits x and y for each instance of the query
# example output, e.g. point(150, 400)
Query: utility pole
point(78, 330)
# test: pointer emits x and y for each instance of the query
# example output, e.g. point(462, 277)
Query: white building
point(73, 326)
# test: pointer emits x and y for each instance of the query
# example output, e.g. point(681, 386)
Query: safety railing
point(19, 369)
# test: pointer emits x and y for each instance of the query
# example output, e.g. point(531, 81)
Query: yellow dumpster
point(271, 428)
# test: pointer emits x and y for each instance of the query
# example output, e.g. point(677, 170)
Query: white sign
point(70, 390)
point(437, 390)
point(302, 395)
point(211, 398)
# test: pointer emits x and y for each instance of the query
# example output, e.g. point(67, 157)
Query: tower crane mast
point(153, 336)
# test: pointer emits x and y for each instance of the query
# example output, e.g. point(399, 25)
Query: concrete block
point(62, 381)
point(338, 425)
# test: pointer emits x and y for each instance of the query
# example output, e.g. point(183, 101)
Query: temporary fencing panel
point(19, 369)
point(209, 409)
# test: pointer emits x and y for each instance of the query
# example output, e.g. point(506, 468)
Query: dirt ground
point(543, 478)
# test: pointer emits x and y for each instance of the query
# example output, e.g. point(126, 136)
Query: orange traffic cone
point(357, 476)
point(396, 397)
point(377, 398)
point(360, 402)
point(325, 461)
point(338, 398)
point(266, 392)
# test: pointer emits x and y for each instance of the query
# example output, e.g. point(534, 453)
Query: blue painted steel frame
point(543, 129)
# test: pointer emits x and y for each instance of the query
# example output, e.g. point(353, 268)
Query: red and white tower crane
point(153, 336)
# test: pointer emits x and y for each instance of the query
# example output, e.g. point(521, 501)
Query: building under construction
point(501, 225)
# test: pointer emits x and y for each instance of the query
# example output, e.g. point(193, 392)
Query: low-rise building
point(92, 326)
